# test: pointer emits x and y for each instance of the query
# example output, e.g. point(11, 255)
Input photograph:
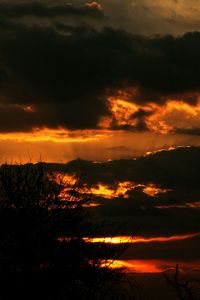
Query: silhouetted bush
point(42, 251)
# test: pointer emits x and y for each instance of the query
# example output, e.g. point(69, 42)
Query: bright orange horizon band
point(139, 239)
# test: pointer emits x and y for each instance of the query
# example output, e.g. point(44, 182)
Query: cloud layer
point(64, 73)
point(173, 211)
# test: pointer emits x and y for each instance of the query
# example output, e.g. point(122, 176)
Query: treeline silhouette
point(188, 289)
point(42, 251)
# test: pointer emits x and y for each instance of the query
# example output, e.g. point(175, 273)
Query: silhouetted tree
point(185, 289)
point(42, 251)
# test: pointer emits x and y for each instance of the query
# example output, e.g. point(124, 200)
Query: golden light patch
point(107, 191)
point(164, 149)
point(121, 189)
point(111, 240)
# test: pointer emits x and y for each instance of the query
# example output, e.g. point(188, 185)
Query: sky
point(97, 80)
point(116, 85)
point(150, 204)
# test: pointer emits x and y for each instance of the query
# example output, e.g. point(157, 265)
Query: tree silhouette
point(43, 254)
point(185, 289)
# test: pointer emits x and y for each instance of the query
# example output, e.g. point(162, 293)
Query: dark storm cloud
point(176, 169)
point(140, 118)
point(67, 72)
point(12, 115)
point(166, 213)
point(153, 16)
point(139, 215)
point(185, 250)
point(38, 9)
point(190, 131)
point(169, 169)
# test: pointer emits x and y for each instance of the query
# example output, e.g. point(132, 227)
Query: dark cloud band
point(67, 72)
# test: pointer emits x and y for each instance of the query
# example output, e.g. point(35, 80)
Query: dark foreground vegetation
point(42, 251)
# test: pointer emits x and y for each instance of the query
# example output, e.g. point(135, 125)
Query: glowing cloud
point(153, 190)
point(121, 189)
point(153, 266)
point(122, 111)
point(172, 116)
point(107, 191)
point(138, 239)
point(136, 266)
point(164, 119)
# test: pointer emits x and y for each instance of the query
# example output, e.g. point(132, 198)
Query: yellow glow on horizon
point(163, 120)
point(164, 149)
point(138, 239)
point(60, 135)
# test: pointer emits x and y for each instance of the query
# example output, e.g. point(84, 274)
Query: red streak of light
point(154, 266)
point(138, 239)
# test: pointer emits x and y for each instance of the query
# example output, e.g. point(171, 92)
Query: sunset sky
point(116, 83)
point(151, 203)
point(98, 80)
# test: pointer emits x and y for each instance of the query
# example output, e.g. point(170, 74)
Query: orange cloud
point(108, 192)
point(174, 115)
point(122, 111)
point(120, 189)
point(153, 190)
point(163, 119)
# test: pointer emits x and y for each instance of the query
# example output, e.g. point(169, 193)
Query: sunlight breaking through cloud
point(139, 239)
